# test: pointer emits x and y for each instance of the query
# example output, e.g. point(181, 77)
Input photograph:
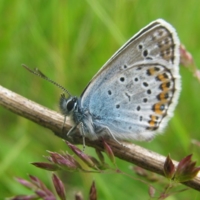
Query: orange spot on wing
point(152, 70)
point(153, 121)
point(165, 86)
point(163, 96)
point(158, 108)
point(162, 77)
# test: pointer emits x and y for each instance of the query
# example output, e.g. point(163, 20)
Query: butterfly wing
point(135, 92)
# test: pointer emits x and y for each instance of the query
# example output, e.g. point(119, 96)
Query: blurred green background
point(69, 41)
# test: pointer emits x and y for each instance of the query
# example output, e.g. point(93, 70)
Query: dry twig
point(52, 120)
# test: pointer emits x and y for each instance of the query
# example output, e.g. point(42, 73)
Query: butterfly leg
point(72, 130)
point(82, 132)
point(64, 123)
point(83, 135)
point(106, 129)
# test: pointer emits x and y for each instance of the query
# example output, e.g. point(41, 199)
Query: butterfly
point(134, 94)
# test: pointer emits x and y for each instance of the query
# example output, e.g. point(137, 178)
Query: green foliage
point(69, 41)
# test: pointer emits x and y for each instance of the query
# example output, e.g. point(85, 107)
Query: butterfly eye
point(71, 104)
point(67, 105)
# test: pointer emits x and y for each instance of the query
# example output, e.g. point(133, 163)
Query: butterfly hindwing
point(135, 92)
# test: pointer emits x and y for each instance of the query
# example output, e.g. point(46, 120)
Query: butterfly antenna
point(37, 72)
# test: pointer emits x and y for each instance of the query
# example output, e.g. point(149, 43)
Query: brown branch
point(52, 120)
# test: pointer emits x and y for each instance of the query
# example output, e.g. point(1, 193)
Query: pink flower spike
point(40, 185)
point(46, 166)
point(41, 193)
point(93, 192)
point(109, 152)
point(64, 161)
point(58, 184)
point(186, 169)
point(185, 56)
point(25, 183)
point(169, 168)
point(36, 181)
point(24, 197)
point(84, 157)
point(183, 164)
point(152, 191)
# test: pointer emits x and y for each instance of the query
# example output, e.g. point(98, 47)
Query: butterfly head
point(68, 105)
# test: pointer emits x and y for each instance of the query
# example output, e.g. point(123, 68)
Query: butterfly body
point(134, 94)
